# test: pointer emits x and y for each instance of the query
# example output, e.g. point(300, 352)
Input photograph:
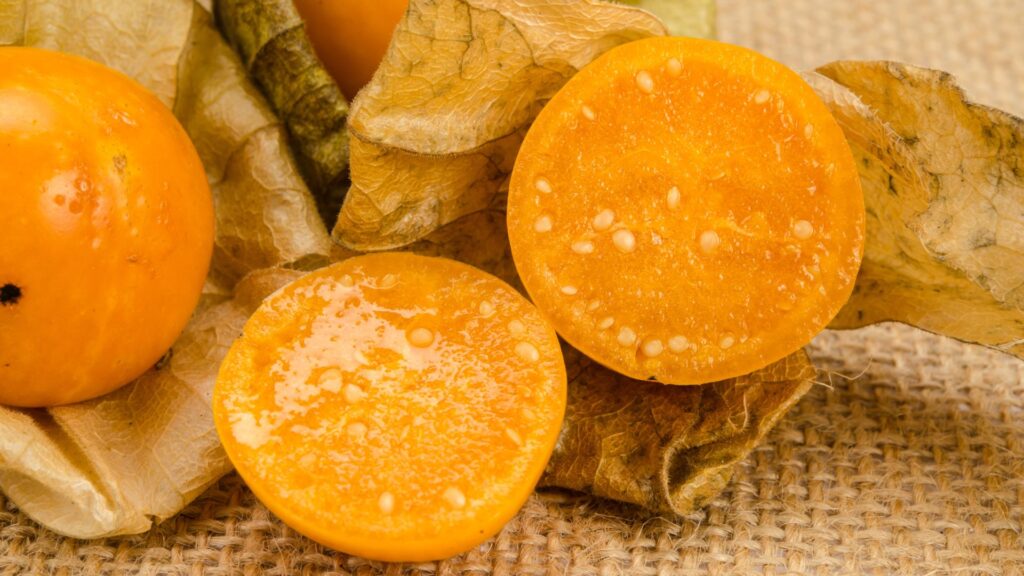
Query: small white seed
point(761, 96)
point(803, 229)
point(486, 308)
point(387, 282)
point(593, 305)
point(624, 240)
point(709, 241)
point(356, 429)
point(386, 503)
point(674, 198)
point(542, 185)
point(604, 220)
point(514, 436)
point(588, 112)
point(542, 224)
point(678, 344)
point(330, 380)
point(808, 131)
point(652, 347)
point(515, 327)
point(644, 82)
point(569, 290)
point(583, 247)
point(674, 66)
point(626, 336)
point(353, 393)
point(727, 342)
point(454, 497)
point(421, 337)
point(527, 352)
point(606, 323)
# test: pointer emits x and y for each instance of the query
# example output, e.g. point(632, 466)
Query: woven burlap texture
point(908, 458)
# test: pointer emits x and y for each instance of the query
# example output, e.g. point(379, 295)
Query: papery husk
point(670, 449)
point(119, 463)
point(943, 182)
point(435, 133)
point(271, 39)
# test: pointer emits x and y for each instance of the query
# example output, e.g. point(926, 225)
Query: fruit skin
point(107, 224)
point(351, 36)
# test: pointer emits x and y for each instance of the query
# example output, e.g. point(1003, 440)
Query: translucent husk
point(943, 182)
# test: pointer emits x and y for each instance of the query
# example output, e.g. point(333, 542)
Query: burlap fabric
point(908, 458)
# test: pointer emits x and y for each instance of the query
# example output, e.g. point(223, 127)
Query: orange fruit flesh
point(686, 211)
point(393, 406)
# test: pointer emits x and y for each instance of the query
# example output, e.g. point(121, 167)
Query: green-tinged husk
point(270, 38)
point(695, 18)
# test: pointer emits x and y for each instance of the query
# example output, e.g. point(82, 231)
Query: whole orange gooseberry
point(351, 36)
point(107, 225)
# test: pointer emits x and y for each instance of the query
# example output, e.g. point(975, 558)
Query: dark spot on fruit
point(120, 163)
point(9, 294)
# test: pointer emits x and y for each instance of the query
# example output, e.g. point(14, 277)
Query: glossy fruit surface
point(107, 226)
point(351, 36)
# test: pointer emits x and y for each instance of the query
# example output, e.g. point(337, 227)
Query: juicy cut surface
point(394, 406)
point(686, 211)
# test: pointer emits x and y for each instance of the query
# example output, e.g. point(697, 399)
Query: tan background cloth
point(907, 459)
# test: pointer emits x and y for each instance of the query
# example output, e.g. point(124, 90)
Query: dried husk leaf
point(116, 464)
point(694, 18)
point(670, 449)
point(943, 180)
point(436, 132)
point(271, 38)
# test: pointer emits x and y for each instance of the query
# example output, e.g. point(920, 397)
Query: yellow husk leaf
point(670, 449)
point(943, 180)
point(435, 133)
point(117, 464)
